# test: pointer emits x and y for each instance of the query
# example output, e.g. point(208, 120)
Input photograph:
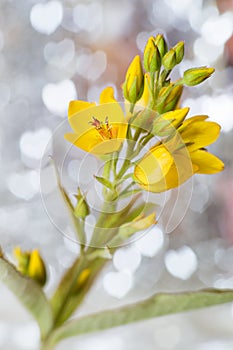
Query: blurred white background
point(54, 51)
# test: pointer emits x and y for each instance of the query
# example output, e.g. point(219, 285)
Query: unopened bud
point(152, 59)
point(82, 209)
point(82, 279)
point(168, 98)
point(179, 51)
point(160, 42)
point(195, 76)
point(31, 264)
point(169, 60)
point(134, 81)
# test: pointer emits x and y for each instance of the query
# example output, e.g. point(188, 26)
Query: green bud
point(81, 209)
point(179, 50)
point(195, 76)
point(152, 59)
point(169, 60)
point(134, 81)
point(160, 42)
point(168, 98)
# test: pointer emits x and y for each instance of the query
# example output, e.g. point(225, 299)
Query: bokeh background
point(54, 51)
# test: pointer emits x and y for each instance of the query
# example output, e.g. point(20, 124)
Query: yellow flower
point(98, 129)
point(31, 264)
point(170, 164)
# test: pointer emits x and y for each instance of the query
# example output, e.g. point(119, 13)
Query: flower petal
point(77, 106)
point(191, 120)
point(177, 116)
point(107, 95)
point(92, 142)
point(154, 166)
point(80, 122)
point(200, 134)
point(180, 171)
point(206, 162)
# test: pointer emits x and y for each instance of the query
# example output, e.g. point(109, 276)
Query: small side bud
point(169, 60)
point(195, 76)
point(31, 264)
point(134, 81)
point(160, 42)
point(152, 59)
point(82, 279)
point(82, 209)
point(36, 268)
point(179, 51)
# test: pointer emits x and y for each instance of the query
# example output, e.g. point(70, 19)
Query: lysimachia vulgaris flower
point(169, 164)
point(98, 129)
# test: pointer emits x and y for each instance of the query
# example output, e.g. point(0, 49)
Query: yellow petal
point(191, 120)
point(200, 134)
point(92, 142)
point(177, 116)
point(77, 106)
point(86, 142)
point(180, 171)
point(154, 166)
point(107, 95)
point(80, 122)
point(206, 162)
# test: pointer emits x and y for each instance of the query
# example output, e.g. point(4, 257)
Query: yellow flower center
point(104, 129)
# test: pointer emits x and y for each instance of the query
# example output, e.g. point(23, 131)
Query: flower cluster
point(146, 143)
point(152, 111)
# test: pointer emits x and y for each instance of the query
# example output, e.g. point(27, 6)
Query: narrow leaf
point(155, 306)
point(105, 182)
point(29, 293)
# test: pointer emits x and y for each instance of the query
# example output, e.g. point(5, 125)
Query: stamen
point(96, 123)
point(104, 129)
point(109, 127)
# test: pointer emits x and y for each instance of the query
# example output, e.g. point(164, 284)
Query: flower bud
point(82, 279)
point(160, 42)
point(31, 264)
point(195, 76)
point(169, 60)
point(168, 98)
point(152, 59)
point(134, 81)
point(82, 209)
point(36, 268)
point(144, 100)
point(179, 51)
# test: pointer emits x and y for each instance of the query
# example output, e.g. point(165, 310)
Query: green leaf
point(66, 286)
point(30, 295)
point(66, 298)
point(155, 306)
point(128, 193)
point(105, 182)
point(103, 253)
